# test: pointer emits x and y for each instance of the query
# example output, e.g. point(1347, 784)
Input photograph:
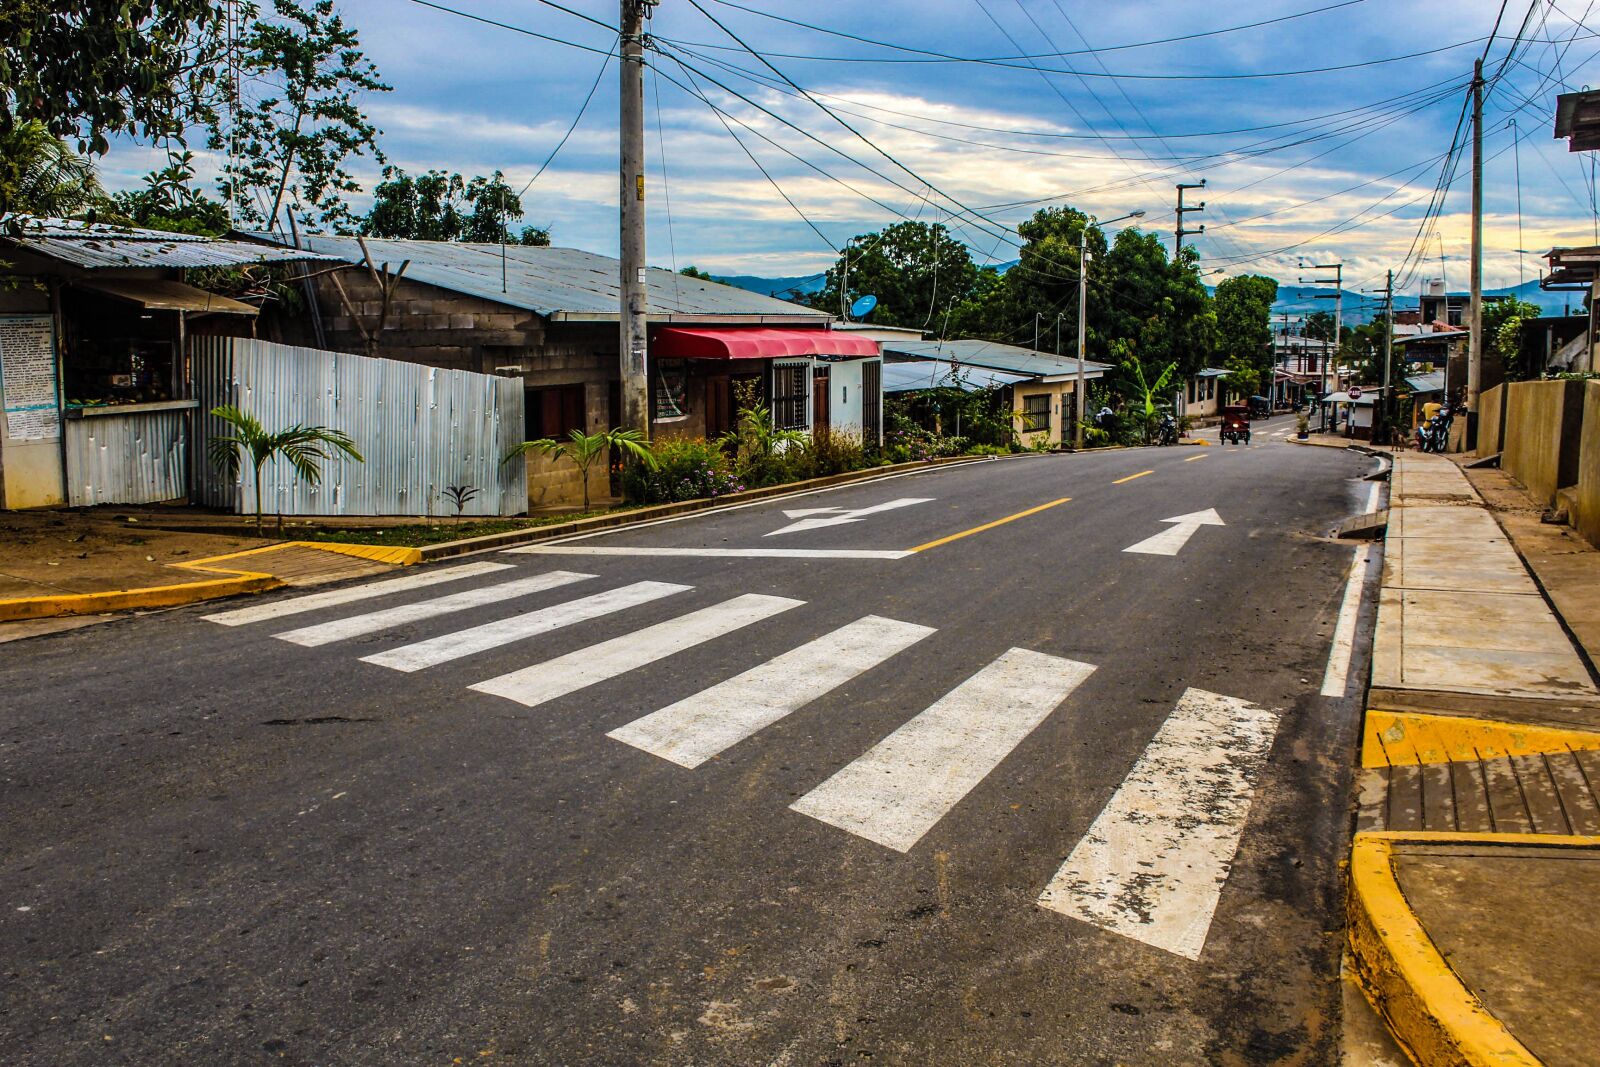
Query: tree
point(1145, 390)
point(691, 271)
point(444, 206)
point(1319, 326)
point(584, 448)
point(1505, 333)
point(169, 201)
point(291, 140)
point(913, 268)
point(302, 446)
point(44, 176)
point(1243, 308)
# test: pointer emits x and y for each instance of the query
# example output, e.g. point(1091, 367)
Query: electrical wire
point(605, 64)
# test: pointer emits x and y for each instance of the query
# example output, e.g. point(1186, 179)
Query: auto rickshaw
point(1236, 424)
point(1260, 407)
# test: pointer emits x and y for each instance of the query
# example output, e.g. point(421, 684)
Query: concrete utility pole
point(1475, 342)
point(1083, 335)
point(1388, 407)
point(1338, 321)
point(1180, 233)
point(635, 300)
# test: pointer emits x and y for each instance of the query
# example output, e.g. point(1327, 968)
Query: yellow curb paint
point(1392, 738)
point(989, 525)
point(158, 596)
point(1191, 459)
point(403, 557)
point(1426, 1006)
point(1131, 477)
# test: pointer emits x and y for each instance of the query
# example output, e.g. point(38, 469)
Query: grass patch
point(440, 530)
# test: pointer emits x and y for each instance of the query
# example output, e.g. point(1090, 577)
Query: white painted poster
point(28, 377)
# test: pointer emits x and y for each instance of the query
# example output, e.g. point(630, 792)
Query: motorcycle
point(1167, 431)
point(1434, 435)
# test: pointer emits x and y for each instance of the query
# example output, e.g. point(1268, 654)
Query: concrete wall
point(1585, 496)
point(1060, 394)
point(1491, 425)
point(1543, 427)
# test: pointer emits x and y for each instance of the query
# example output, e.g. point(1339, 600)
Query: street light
point(1083, 309)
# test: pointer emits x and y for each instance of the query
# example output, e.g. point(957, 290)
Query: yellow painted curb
point(1393, 738)
point(158, 596)
point(1426, 1006)
point(403, 557)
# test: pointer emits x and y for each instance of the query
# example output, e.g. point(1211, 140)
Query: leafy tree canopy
point(1319, 326)
point(691, 271)
point(1505, 333)
point(914, 269)
point(1243, 306)
point(43, 176)
point(444, 206)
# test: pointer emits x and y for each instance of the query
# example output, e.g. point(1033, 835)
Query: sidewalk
point(1479, 794)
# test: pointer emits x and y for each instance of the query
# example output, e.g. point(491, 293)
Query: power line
point(605, 65)
point(514, 29)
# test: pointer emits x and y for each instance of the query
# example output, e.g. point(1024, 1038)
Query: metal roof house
point(95, 393)
point(549, 316)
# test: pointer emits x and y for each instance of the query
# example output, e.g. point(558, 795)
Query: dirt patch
point(45, 552)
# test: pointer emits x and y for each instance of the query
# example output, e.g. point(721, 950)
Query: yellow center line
point(1131, 477)
point(989, 525)
point(1191, 459)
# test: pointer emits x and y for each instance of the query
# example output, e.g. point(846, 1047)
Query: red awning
point(758, 343)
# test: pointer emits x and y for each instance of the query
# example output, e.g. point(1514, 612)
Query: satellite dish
point(863, 307)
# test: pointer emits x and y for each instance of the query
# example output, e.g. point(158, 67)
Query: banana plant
point(1146, 389)
point(304, 447)
point(584, 448)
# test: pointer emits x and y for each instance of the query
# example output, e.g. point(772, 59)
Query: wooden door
point(820, 399)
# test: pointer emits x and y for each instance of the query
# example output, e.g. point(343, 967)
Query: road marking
point(713, 720)
point(374, 621)
point(1191, 459)
point(988, 525)
point(313, 601)
point(817, 518)
point(587, 666)
point(1336, 678)
point(733, 553)
point(903, 785)
point(1170, 542)
point(1131, 477)
point(442, 649)
point(1153, 864)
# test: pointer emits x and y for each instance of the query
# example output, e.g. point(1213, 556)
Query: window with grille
point(1036, 412)
point(790, 394)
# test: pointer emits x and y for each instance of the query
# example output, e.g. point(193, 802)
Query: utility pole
point(1337, 296)
point(635, 299)
point(1387, 409)
point(1475, 341)
point(1083, 336)
point(1180, 233)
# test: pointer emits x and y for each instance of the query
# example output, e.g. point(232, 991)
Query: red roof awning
point(758, 343)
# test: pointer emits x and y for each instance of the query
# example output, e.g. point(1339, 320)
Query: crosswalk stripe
point(334, 597)
point(1153, 864)
point(694, 729)
point(578, 670)
point(898, 790)
point(374, 621)
point(442, 649)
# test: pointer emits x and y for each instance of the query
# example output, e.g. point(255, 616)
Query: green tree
point(691, 271)
point(304, 447)
point(298, 123)
point(444, 206)
point(1319, 326)
point(44, 176)
point(1161, 305)
point(583, 449)
point(1243, 307)
point(1505, 332)
point(535, 236)
point(913, 268)
point(1361, 349)
point(169, 201)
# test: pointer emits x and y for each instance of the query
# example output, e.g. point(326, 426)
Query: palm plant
point(584, 448)
point(1148, 390)
point(41, 176)
point(302, 446)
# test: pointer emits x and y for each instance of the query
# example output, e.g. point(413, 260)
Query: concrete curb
point(535, 534)
point(1397, 738)
point(240, 580)
point(1424, 1003)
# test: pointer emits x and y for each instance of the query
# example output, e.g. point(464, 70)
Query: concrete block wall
point(1491, 425)
point(1543, 429)
point(1584, 499)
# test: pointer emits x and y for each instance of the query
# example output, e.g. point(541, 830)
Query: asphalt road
point(225, 847)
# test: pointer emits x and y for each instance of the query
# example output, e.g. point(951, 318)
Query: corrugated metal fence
point(420, 429)
point(132, 457)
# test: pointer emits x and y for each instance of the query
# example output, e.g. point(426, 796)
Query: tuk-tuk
point(1236, 424)
point(1260, 407)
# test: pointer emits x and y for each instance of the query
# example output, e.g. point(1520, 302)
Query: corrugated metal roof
point(1432, 382)
point(941, 373)
point(994, 356)
point(561, 283)
point(100, 246)
point(167, 294)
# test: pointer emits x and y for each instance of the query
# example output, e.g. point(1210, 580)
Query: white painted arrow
point(1170, 540)
point(816, 519)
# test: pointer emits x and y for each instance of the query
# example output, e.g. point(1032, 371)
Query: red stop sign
point(1355, 392)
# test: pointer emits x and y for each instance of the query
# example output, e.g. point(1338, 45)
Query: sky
point(1334, 166)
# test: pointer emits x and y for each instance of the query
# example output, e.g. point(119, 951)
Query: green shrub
point(685, 469)
point(988, 450)
point(833, 452)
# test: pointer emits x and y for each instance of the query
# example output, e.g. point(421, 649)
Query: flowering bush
point(686, 469)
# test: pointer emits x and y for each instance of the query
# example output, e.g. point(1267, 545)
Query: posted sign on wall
point(28, 378)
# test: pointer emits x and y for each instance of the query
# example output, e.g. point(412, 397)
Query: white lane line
point(698, 727)
point(1336, 678)
point(475, 639)
point(737, 553)
point(372, 622)
point(1153, 865)
point(903, 785)
point(577, 670)
point(313, 601)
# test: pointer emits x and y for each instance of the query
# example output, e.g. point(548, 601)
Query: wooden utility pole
point(635, 307)
point(1475, 341)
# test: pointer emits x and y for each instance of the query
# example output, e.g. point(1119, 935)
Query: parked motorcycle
point(1434, 435)
point(1167, 431)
